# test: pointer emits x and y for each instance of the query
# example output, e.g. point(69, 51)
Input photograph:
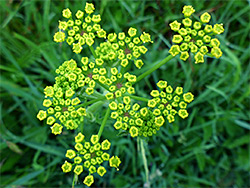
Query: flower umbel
point(195, 37)
point(89, 156)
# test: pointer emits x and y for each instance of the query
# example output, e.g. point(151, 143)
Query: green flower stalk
point(196, 37)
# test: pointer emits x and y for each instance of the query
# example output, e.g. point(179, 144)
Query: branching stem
point(91, 102)
point(104, 121)
point(93, 51)
point(148, 72)
point(137, 98)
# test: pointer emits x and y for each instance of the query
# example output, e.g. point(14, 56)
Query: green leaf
point(242, 124)
point(200, 157)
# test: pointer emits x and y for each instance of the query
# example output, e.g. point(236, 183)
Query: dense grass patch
point(209, 149)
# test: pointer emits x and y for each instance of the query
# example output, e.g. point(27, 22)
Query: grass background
point(209, 149)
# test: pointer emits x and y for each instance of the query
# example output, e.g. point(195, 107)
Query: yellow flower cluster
point(120, 84)
point(124, 48)
point(60, 100)
point(168, 102)
point(81, 30)
point(89, 156)
point(195, 37)
point(134, 119)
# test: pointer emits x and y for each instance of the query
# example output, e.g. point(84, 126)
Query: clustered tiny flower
point(78, 82)
point(81, 30)
point(196, 37)
point(89, 157)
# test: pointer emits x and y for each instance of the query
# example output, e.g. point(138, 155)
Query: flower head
point(89, 156)
point(195, 37)
point(80, 30)
point(168, 102)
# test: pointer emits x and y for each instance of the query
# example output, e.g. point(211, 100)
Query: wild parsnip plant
point(78, 84)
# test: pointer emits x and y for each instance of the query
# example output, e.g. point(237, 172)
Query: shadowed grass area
point(208, 149)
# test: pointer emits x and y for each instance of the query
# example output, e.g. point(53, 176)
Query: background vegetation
point(209, 149)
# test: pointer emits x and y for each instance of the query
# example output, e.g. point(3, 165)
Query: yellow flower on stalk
point(115, 162)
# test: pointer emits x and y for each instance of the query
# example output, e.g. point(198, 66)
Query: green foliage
point(210, 148)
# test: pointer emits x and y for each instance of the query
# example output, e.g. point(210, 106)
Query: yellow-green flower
point(77, 48)
point(216, 52)
point(79, 138)
point(41, 115)
point(205, 17)
point(132, 31)
point(49, 91)
point(183, 113)
point(101, 171)
point(78, 169)
point(66, 167)
point(106, 145)
point(199, 58)
point(175, 26)
point(174, 50)
point(94, 139)
point(66, 13)
point(218, 29)
point(50, 120)
point(88, 180)
point(89, 8)
point(63, 25)
point(133, 131)
point(79, 14)
point(195, 37)
point(70, 154)
point(114, 162)
point(188, 10)
point(188, 97)
point(159, 121)
point(145, 37)
point(59, 36)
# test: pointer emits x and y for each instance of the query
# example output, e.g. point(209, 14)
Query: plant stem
point(93, 51)
point(91, 102)
point(102, 85)
point(144, 161)
point(74, 179)
point(137, 98)
point(81, 127)
point(103, 122)
point(158, 65)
